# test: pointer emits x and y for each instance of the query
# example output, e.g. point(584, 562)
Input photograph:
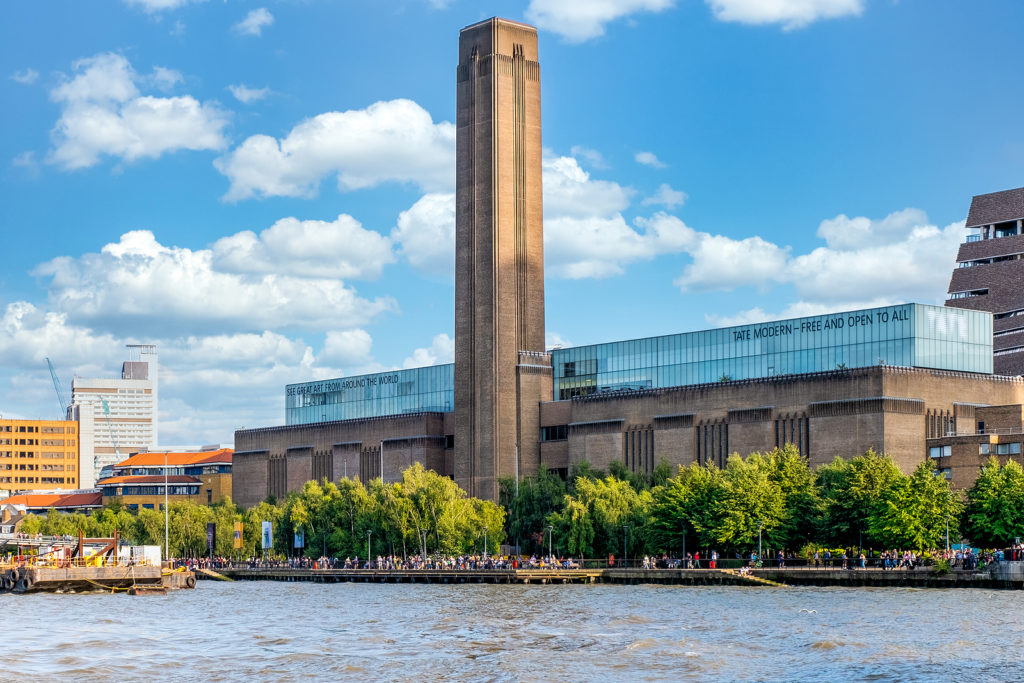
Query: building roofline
point(498, 20)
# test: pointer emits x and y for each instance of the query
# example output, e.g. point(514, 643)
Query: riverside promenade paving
point(764, 577)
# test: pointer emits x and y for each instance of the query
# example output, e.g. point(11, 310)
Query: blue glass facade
point(908, 335)
point(914, 335)
point(430, 389)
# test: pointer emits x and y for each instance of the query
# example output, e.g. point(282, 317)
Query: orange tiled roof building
point(198, 476)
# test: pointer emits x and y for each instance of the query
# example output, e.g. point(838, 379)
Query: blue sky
point(264, 189)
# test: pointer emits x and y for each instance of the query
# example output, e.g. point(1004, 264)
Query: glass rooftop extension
point(914, 335)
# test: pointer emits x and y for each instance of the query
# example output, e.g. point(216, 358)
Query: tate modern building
point(903, 379)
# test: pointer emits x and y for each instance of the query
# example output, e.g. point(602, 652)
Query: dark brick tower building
point(990, 273)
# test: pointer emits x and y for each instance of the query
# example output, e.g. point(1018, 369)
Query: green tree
point(802, 504)
point(850, 491)
point(443, 507)
point(750, 501)
point(616, 512)
point(538, 497)
point(994, 514)
point(684, 512)
point(912, 511)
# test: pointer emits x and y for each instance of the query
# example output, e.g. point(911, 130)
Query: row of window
point(987, 261)
point(983, 449)
point(556, 433)
point(187, 490)
point(968, 294)
point(34, 429)
point(36, 480)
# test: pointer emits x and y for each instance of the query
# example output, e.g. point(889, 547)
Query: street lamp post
point(167, 516)
point(485, 541)
point(369, 532)
point(625, 552)
point(551, 530)
point(760, 525)
point(423, 534)
point(947, 533)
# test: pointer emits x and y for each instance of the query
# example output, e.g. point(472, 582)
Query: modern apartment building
point(118, 416)
point(38, 455)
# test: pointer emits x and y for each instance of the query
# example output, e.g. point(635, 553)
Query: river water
point(259, 631)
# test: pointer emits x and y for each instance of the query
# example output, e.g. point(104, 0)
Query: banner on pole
point(300, 538)
point(268, 535)
point(238, 535)
point(211, 536)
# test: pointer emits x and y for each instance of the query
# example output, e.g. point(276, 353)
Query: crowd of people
point(965, 559)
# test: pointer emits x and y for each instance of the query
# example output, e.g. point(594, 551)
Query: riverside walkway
point(765, 577)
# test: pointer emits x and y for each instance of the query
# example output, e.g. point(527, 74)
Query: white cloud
point(340, 249)
point(164, 78)
point(440, 351)
point(600, 246)
point(648, 159)
point(254, 22)
point(867, 263)
point(915, 268)
point(138, 283)
point(31, 335)
point(346, 348)
point(580, 21)
point(593, 158)
point(722, 263)
point(235, 351)
point(103, 113)
point(394, 141)
point(585, 234)
point(844, 233)
point(26, 77)
point(426, 233)
point(154, 6)
point(554, 340)
point(245, 95)
point(665, 196)
point(570, 191)
point(26, 159)
point(792, 14)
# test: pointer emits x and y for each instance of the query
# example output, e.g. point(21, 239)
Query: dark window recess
point(560, 472)
point(556, 433)
point(449, 441)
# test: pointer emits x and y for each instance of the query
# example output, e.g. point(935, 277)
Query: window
point(1008, 449)
point(945, 473)
point(556, 433)
point(939, 451)
point(983, 449)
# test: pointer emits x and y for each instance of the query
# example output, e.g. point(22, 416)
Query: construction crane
point(110, 428)
point(60, 391)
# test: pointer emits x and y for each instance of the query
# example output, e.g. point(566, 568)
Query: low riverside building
point(61, 501)
point(38, 455)
point(960, 447)
point(197, 476)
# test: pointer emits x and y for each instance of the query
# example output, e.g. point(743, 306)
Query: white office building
point(116, 416)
